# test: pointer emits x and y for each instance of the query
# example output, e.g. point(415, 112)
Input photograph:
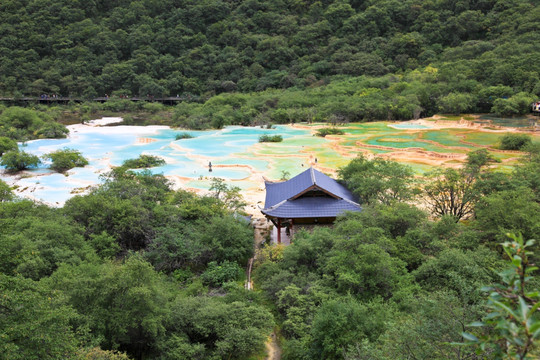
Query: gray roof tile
point(279, 203)
point(311, 207)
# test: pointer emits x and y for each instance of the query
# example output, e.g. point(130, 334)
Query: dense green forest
point(134, 267)
point(429, 56)
point(136, 270)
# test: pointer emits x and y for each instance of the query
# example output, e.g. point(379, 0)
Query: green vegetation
point(24, 124)
point(16, 160)
point(270, 138)
point(143, 161)
point(389, 283)
point(513, 307)
point(414, 59)
point(513, 141)
point(103, 275)
point(66, 159)
point(379, 180)
point(329, 131)
point(136, 269)
point(515, 105)
point(5, 192)
point(218, 274)
point(6, 144)
point(183, 136)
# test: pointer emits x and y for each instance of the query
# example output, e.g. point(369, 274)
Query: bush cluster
point(329, 131)
point(270, 138)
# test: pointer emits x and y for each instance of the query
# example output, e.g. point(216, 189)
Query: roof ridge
point(312, 176)
point(350, 201)
point(273, 207)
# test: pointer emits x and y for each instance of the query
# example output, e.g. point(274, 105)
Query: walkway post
point(279, 231)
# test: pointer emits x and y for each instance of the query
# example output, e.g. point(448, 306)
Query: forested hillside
point(480, 50)
point(439, 267)
point(134, 267)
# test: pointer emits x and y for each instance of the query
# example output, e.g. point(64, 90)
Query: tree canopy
point(459, 57)
point(137, 270)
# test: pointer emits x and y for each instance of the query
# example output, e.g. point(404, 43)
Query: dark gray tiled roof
point(310, 207)
point(279, 203)
point(333, 186)
point(277, 192)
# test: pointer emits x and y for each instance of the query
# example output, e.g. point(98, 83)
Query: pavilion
point(309, 198)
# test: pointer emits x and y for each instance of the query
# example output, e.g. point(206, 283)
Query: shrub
point(5, 192)
point(65, 159)
point(16, 161)
point(270, 138)
point(216, 275)
point(183, 136)
point(518, 104)
point(6, 144)
point(329, 131)
point(143, 161)
point(153, 107)
point(515, 141)
point(51, 130)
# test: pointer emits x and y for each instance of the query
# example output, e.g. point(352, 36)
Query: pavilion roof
point(284, 199)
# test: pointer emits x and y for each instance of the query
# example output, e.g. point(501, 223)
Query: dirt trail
point(261, 230)
point(274, 351)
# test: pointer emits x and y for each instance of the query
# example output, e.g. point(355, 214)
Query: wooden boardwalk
point(64, 100)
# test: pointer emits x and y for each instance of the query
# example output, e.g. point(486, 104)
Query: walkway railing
point(65, 99)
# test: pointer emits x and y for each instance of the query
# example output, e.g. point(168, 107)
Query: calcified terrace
point(237, 156)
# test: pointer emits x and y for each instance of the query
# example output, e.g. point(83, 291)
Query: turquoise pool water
point(235, 153)
point(111, 146)
point(408, 126)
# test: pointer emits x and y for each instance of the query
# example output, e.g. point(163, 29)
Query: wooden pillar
point(279, 231)
point(291, 230)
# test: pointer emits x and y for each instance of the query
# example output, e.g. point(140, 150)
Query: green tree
point(456, 103)
point(5, 192)
point(218, 274)
point(230, 195)
point(66, 159)
point(51, 130)
point(364, 270)
point(98, 354)
point(517, 104)
point(514, 327)
point(143, 161)
point(340, 323)
point(19, 160)
point(6, 144)
point(36, 322)
point(513, 141)
point(124, 305)
point(215, 329)
point(478, 159)
point(506, 211)
point(527, 172)
point(451, 192)
point(378, 180)
point(127, 220)
point(35, 240)
point(424, 330)
point(20, 118)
